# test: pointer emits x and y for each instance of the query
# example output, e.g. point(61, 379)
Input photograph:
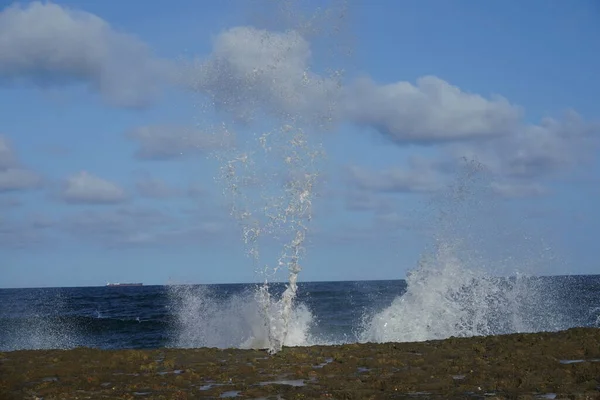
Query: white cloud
point(550, 149)
point(89, 189)
point(431, 111)
point(13, 176)
point(47, 44)
point(13, 179)
point(158, 142)
point(252, 70)
point(521, 162)
point(553, 146)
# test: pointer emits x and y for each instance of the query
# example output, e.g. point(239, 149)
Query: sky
point(115, 122)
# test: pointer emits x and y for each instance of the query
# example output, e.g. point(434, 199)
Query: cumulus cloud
point(553, 146)
point(13, 179)
point(13, 176)
point(430, 111)
point(47, 44)
point(533, 154)
point(520, 161)
point(253, 70)
point(84, 188)
point(158, 142)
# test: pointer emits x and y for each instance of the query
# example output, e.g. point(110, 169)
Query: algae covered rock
point(541, 365)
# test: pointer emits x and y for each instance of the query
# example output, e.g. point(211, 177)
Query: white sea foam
point(445, 298)
point(456, 290)
point(205, 320)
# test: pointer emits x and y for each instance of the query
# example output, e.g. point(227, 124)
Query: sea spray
point(208, 318)
point(468, 282)
point(271, 199)
point(260, 86)
point(38, 321)
point(291, 168)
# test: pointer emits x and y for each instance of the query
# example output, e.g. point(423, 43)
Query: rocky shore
point(543, 365)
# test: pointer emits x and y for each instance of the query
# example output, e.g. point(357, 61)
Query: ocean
point(324, 313)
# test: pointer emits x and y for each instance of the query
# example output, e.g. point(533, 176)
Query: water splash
point(445, 298)
point(272, 201)
point(595, 313)
point(456, 288)
point(205, 319)
point(38, 322)
point(264, 91)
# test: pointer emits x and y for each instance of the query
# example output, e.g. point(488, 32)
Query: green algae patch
point(542, 365)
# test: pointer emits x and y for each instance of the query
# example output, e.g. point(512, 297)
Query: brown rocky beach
point(556, 365)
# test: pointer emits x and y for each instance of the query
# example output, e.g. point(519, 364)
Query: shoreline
point(563, 364)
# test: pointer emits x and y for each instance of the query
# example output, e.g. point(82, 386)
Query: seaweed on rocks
point(556, 365)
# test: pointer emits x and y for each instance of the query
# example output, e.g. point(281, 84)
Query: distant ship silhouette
point(124, 284)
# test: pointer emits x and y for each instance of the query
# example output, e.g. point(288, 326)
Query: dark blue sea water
point(326, 312)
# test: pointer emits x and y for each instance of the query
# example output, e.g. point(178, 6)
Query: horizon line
point(273, 282)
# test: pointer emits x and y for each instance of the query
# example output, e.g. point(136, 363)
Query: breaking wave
point(204, 318)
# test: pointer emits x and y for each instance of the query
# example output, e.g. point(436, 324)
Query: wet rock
point(502, 367)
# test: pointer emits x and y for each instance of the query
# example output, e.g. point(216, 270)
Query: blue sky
point(110, 116)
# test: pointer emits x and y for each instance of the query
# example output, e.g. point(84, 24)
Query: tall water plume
point(259, 90)
point(278, 213)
